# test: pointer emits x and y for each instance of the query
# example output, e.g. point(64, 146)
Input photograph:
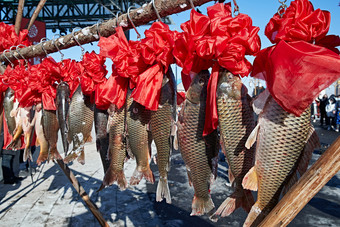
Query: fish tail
point(236, 200)
point(163, 191)
point(81, 157)
point(201, 206)
point(70, 157)
point(15, 144)
point(253, 216)
point(54, 154)
point(112, 176)
point(138, 175)
point(27, 154)
point(43, 156)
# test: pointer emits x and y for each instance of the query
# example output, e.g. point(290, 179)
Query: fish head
point(230, 85)
point(199, 81)
point(9, 92)
point(63, 88)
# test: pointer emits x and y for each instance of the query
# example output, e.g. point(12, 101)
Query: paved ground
point(51, 200)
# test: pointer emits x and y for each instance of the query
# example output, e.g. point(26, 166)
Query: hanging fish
point(13, 119)
point(51, 128)
point(63, 104)
point(139, 140)
point(80, 121)
point(161, 123)
point(28, 122)
point(102, 135)
point(41, 139)
point(284, 146)
point(117, 148)
point(236, 122)
point(199, 153)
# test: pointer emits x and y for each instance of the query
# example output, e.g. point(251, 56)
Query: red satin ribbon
point(9, 38)
point(296, 70)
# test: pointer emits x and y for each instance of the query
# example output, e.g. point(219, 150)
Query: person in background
point(337, 106)
point(322, 106)
point(10, 158)
point(331, 113)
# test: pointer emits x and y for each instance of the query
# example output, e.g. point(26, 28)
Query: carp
point(80, 121)
point(284, 146)
point(139, 140)
point(28, 122)
point(199, 153)
point(13, 119)
point(41, 139)
point(117, 148)
point(236, 122)
point(161, 124)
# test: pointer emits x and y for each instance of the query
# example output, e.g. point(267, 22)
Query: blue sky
point(259, 11)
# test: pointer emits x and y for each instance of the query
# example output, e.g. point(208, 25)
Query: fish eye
point(201, 81)
point(230, 76)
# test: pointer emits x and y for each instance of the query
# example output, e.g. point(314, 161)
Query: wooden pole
point(306, 188)
point(140, 16)
point(18, 18)
point(36, 13)
point(93, 208)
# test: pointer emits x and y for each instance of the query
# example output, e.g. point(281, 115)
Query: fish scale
point(117, 148)
point(281, 140)
point(51, 127)
point(80, 121)
point(197, 152)
point(161, 124)
point(139, 138)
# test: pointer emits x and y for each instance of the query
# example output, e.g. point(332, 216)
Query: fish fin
point(293, 179)
point(37, 143)
point(163, 191)
point(201, 206)
point(250, 180)
point(137, 176)
point(312, 143)
point(27, 154)
point(189, 176)
point(260, 101)
point(252, 137)
point(81, 157)
point(89, 139)
point(253, 216)
point(155, 159)
point(175, 143)
point(43, 156)
point(112, 176)
point(70, 157)
point(14, 145)
point(231, 176)
point(14, 111)
point(236, 200)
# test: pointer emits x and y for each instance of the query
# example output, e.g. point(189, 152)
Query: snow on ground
point(51, 199)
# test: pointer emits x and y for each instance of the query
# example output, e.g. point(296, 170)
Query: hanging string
point(282, 8)
point(236, 8)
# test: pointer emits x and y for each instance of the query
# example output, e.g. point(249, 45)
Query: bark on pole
point(18, 18)
point(140, 16)
point(36, 13)
point(93, 208)
point(306, 188)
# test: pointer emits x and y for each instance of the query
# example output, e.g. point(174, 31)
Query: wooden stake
point(18, 18)
point(139, 16)
point(306, 188)
point(36, 13)
point(93, 208)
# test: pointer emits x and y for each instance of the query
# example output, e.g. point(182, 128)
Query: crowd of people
point(327, 109)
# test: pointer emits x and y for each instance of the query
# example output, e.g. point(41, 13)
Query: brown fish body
point(139, 138)
point(41, 139)
point(28, 121)
point(281, 141)
point(197, 152)
point(51, 128)
point(80, 121)
point(117, 148)
point(102, 135)
point(161, 125)
point(8, 107)
point(236, 122)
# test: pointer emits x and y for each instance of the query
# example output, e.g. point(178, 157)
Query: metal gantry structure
point(67, 14)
